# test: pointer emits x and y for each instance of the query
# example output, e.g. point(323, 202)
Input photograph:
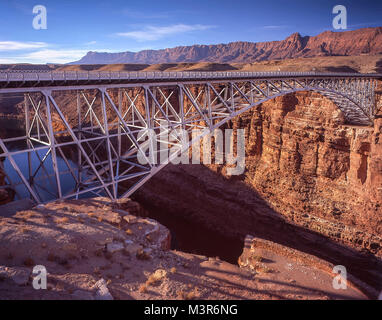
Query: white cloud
point(16, 45)
point(365, 24)
point(145, 15)
point(273, 27)
point(90, 43)
point(55, 56)
point(151, 33)
point(46, 56)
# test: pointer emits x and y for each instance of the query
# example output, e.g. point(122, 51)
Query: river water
point(43, 177)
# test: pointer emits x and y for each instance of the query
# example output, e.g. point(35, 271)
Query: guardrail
point(158, 75)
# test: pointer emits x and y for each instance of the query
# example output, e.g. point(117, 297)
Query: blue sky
point(78, 26)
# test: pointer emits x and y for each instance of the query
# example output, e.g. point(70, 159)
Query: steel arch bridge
point(87, 126)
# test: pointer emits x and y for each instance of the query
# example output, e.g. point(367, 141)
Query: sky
point(75, 27)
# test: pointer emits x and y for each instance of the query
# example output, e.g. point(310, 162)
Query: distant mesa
point(348, 43)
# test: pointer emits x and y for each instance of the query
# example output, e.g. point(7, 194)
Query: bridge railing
point(38, 76)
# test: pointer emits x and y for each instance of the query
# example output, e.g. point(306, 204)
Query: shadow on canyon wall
point(378, 66)
point(211, 215)
point(341, 69)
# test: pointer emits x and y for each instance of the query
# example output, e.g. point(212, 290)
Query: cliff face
point(301, 160)
point(308, 165)
point(303, 166)
point(361, 41)
point(305, 163)
point(311, 183)
point(98, 250)
point(4, 195)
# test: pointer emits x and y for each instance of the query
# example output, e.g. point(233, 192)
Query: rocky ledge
point(5, 194)
point(295, 267)
point(94, 249)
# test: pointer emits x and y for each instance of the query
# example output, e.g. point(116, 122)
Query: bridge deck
point(27, 79)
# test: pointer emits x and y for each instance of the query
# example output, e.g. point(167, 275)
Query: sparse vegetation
point(24, 229)
point(29, 262)
point(257, 258)
point(142, 288)
point(51, 257)
point(99, 252)
point(156, 277)
point(24, 215)
point(263, 269)
point(190, 295)
point(142, 255)
point(108, 255)
point(62, 220)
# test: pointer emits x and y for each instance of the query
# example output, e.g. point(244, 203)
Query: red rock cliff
point(4, 196)
point(308, 165)
point(357, 42)
point(303, 165)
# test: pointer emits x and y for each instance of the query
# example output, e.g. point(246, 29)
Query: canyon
point(98, 250)
point(313, 183)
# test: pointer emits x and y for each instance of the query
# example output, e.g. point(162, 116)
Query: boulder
point(132, 248)
point(102, 292)
point(114, 247)
point(18, 275)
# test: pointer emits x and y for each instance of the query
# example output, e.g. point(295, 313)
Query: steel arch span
point(92, 132)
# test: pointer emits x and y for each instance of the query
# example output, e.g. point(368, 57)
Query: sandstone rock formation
point(262, 255)
point(311, 182)
point(305, 161)
point(5, 196)
point(71, 239)
point(308, 164)
point(361, 41)
point(312, 168)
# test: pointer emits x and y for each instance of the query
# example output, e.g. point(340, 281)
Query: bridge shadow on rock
point(211, 215)
point(378, 66)
point(341, 69)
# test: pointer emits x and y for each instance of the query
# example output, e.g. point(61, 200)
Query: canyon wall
point(4, 195)
point(304, 166)
point(302, 161)
point(311, 182)
point(315, 170)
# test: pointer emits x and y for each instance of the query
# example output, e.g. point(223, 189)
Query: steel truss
point(96, 137)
